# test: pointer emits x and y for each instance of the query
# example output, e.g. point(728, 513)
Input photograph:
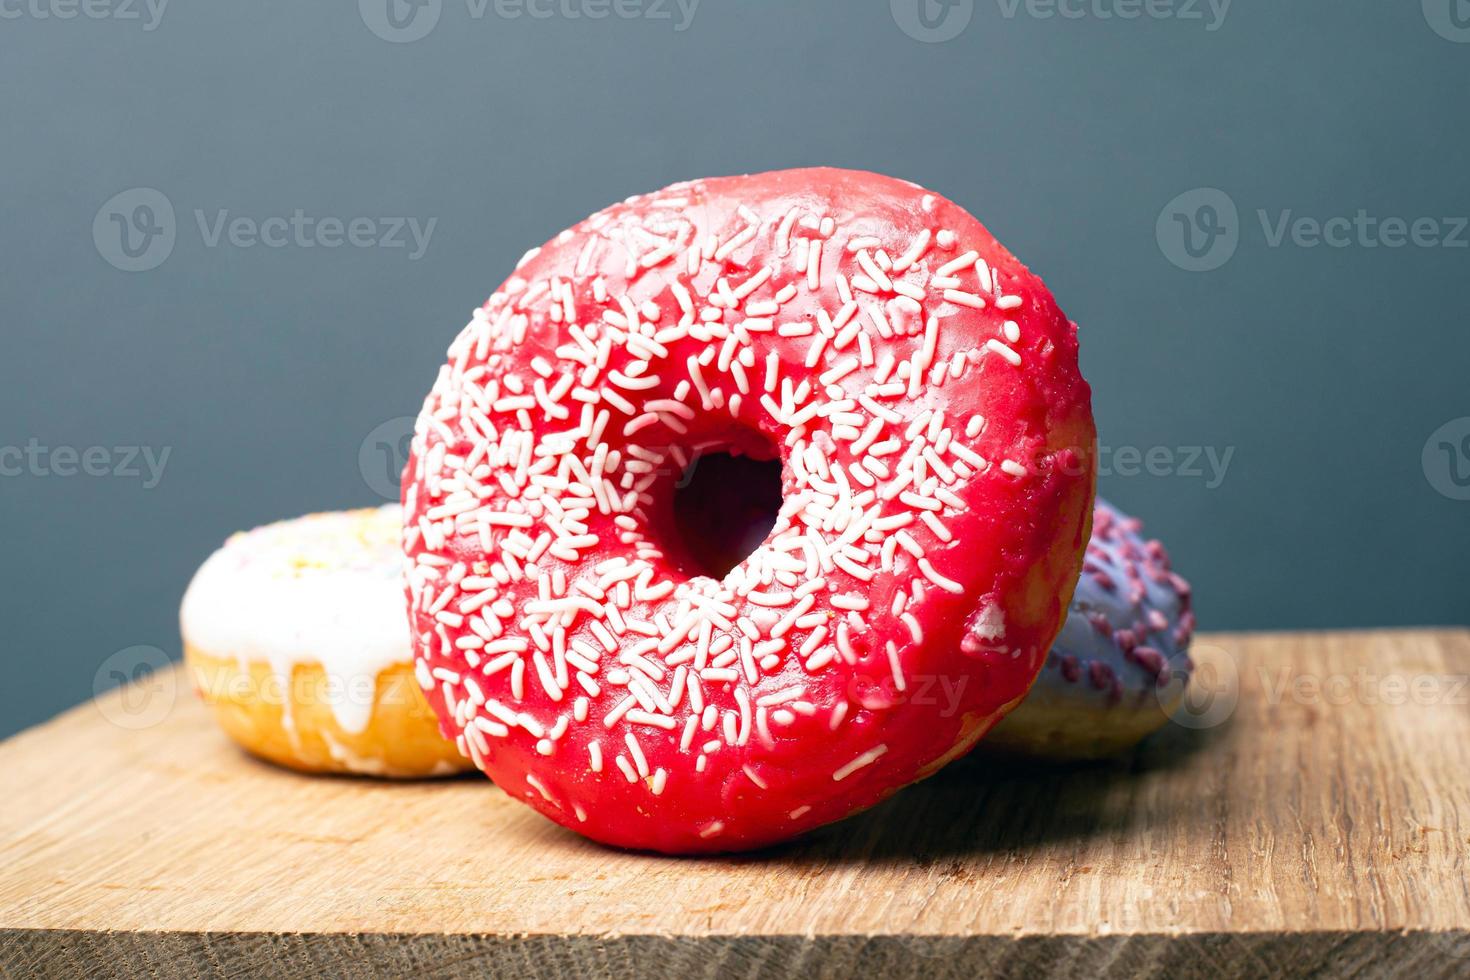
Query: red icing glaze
point(559, 622)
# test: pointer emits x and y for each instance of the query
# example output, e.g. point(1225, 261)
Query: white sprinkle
point(636, 751)
point(1004, 351)
point(956, 265)
point(866, 759)
point(948, 584)
point(961, 298)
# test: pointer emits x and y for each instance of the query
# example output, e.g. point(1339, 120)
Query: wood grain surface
point(1310, 812)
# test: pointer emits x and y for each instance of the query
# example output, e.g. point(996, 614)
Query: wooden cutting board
point(1314, 814)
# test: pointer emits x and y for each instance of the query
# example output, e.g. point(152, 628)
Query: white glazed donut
point(297, 637)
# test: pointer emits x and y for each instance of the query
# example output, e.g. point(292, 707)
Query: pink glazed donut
point(918, 386)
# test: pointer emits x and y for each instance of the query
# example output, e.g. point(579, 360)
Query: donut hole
point(724, 506)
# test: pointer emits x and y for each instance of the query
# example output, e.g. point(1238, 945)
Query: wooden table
point(1323, 824)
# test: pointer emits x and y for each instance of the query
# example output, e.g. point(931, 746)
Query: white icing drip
point(371, 766)
point(324, 589)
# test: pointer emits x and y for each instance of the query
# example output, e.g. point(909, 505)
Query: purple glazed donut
point(1121, 662)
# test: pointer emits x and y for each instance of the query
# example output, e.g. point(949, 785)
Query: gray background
point(1324, 370)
